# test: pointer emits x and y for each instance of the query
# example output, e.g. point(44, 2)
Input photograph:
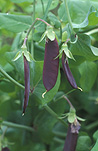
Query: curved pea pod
point(68, 72)
point(5, 149)
point(51, 64)
point(27, 84)
point(72, 137)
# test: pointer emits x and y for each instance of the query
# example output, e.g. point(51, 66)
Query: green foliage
point(79, 41)
point(84, 143)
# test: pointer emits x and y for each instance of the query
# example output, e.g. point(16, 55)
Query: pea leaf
point(95, 148)
point(20, 1)
point(36, 68)
point(95, 135)
point(53, 20)
point(87, 79)
point(84, 143)
point(94, 50)
point(15, 23)
point(82, 48)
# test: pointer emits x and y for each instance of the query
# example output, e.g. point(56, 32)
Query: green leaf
point(18, 55)
point(35, 69)
point(87, 20)
point(94, 50)
point(95, 136)
point(21, 1)
point(53, 20)
point(95, 148)
point(54, 4)
point(40, 89)
point(87, 77)
point(45, 122)
point(84, 143)
point(78, 11)
point(82, 48)
point(15, 23)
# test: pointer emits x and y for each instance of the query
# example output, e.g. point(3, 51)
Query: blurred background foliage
point(48, 134)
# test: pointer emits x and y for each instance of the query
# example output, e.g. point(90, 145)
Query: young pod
point(27, 83)
point(67, 72)
point(51, 64)
point(71, 138)
point(5, 149)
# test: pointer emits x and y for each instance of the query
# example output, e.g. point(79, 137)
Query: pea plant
point(48, 75)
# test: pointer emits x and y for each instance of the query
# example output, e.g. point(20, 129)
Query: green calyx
point(23, 52)
point(49, 33)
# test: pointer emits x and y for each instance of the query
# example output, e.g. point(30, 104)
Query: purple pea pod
point(5, 149)
point(27, 83)
point(67, 72)
point(71, 138)
point(51, 64)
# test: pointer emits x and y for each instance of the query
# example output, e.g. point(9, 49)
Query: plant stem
point(33, 10)
point(37, 19)
point(68, 15)
point(92, 31)
point(68, 101)
point(42, 6)
point(11, 79)
point(54, 114)
point(58, 140)
point(59, 134)
point(92, 125)
point(70, 91)
point(32, 42)
point(14, 125)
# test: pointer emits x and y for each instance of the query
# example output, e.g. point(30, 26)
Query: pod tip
point(80, 89)
point(44, 94)
point(23, 114)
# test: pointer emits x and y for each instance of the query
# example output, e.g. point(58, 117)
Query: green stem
point(33, 10)
point(2, 137)
point(68, 15)
point(32, 42)
point(55, 115)
point(37, 19)
point(92, 125)
point(59, 134)
point(42, 6)
point(14, 125)
point(68, 101)
point(58, 140)
point(70, 91)
point(87, 30)
point(92, 31)
point(11, 79)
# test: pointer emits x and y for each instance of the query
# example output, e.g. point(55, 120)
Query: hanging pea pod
point(67, 72)
point(51, 64)
point(72, 136)
point(27, 83)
